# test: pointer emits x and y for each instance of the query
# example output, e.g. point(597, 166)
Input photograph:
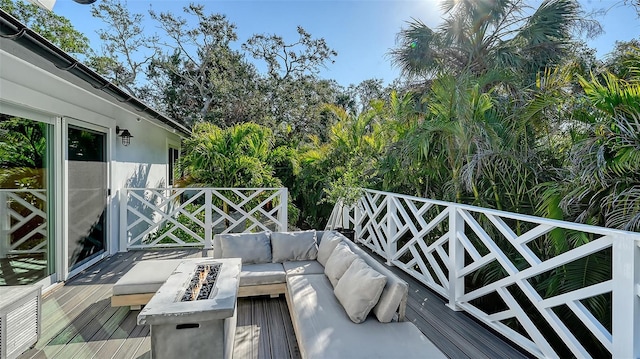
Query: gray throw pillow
point(294, 246)
point(328, 243)
point(338, 262)
point(359, 289)
point(251, 247)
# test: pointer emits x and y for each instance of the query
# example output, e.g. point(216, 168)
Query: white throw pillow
point(359, 289)
point(294, 246)
point(338, 262)
point(328, 243)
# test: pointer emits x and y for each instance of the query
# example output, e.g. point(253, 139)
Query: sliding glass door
point(26, 197)
point(87, 185)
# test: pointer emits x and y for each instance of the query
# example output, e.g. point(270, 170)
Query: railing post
point(392, 230)
point(123, 197)
point(283, 215)
point(345, 216)
point(625, 300)
point(5, 237)
point(357, 215)
point(456, 258)
point(208, 221)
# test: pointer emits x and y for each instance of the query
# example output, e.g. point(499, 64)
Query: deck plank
point(133, 342)
point(262, 327)
point(245, 335)
point(290, 335)
point(118, 337)
point(275, 324)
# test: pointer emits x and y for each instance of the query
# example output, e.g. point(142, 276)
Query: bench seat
point(324, 330)
point(142, 281)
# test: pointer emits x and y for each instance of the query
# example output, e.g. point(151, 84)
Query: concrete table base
point(194, 329)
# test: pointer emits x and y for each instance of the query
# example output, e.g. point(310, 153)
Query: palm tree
point(602, 186)
point(478, 36)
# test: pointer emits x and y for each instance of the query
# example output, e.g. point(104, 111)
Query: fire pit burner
point(202, 282)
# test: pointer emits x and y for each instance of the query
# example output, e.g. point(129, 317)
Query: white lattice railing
point(502, 267)
point(189, 217)
point(23, 221)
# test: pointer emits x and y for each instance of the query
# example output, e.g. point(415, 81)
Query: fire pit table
point(193, 314)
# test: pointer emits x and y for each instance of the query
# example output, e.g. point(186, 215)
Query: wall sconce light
point(126, 135)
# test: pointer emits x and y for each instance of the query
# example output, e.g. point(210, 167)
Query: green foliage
point(480, 36)
point(23, 149)
point(241, 156)
point(52, 27)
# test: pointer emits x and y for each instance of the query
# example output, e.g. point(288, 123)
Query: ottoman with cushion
point(142, 281)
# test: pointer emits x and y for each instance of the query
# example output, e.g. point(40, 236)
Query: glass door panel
point(26, 177)
point(87, 195)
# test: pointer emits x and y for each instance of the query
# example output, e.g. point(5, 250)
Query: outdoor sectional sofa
point(343, 303)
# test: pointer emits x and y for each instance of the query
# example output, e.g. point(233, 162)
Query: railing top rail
point(517, 216)
point(200, 188)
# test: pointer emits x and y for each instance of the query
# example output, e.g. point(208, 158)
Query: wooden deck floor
point(79, 322)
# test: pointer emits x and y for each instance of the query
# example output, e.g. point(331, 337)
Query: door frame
point(64, 254)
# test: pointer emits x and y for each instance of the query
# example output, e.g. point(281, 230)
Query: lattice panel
point(521, 278)
point(373, 222)
point(189, 217)
point(421, 238)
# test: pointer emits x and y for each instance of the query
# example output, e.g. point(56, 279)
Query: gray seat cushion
point(303, 267)
point(338, 262)
point(328, 243)
point(325, 331)
point(263, 273)
point(359, 290)
point(393, 291)
point(294, 246)
point(147, 276)
point(251, 247)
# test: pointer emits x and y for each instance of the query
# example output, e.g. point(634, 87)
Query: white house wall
point(35, 89)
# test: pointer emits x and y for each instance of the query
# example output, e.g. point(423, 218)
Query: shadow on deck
point(79, 322)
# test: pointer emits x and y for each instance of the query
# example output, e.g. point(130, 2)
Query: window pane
point(25, 198)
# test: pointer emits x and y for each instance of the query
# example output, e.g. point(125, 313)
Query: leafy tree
point(199, 70)
point(241, 156)
point(624, 60)
point(600, 185)
point(365, 92)
point(290, 60)
point(478, 36)
point(292, 92)
point(126, 48)
point(52, 27)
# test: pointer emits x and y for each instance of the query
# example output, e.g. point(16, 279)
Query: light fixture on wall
point(126, 135)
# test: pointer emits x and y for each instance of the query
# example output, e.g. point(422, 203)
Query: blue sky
point(361, 31)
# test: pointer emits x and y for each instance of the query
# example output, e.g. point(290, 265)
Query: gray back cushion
point(338, 262)
point(327, 244)
point(359, 289)
point(251, 247)
point(394, 291)
point(294, 246)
